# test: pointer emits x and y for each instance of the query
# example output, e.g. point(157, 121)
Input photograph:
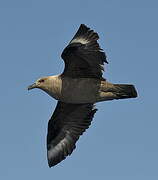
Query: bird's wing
point(67, 123)
point(83, 56)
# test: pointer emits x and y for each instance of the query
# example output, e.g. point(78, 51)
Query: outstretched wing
point(67, 123)
point(83, 56)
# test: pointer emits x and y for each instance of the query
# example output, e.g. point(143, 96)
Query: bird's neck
point(54, 86)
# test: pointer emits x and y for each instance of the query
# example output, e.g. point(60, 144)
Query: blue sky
point(122, 140)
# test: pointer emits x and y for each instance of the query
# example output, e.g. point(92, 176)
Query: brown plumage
point(77, 89)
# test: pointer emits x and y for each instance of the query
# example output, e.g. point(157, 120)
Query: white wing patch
point(80, 40)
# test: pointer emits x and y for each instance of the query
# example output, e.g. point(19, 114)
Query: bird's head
point(40, 83)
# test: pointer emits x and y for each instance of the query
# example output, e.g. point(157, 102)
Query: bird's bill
point(32, 86)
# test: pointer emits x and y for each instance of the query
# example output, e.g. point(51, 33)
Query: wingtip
point(85, 33)
point(83, 25)
point(49, 165)
point(52, 163)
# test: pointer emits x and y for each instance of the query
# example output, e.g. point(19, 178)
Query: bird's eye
point(41, 80)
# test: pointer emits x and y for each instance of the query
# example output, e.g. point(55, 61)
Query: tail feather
point(123, 91)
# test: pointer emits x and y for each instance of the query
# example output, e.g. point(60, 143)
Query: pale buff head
point(41, 83)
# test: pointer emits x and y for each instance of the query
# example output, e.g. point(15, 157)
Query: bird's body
point(80, 90)
point(77, 89)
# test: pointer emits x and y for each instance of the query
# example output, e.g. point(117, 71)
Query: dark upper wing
point(67, 123)
point(83, 56)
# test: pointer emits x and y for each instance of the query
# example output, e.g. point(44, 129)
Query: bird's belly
point(82, 90)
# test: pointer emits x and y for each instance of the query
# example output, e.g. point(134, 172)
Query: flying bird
point(77, 89)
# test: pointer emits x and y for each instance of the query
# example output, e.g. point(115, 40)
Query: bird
point(77, 90)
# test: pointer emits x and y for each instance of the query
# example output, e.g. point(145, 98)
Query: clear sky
point(122, 142)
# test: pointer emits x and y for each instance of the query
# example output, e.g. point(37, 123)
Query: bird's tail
point(123, 91)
